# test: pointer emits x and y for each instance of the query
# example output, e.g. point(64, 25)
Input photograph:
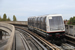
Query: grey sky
point(23, 9)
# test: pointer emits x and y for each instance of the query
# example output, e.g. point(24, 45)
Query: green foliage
point(14, 18)
point(72, 21)
point(8, 19)
point(4, 17)
point(0, 18)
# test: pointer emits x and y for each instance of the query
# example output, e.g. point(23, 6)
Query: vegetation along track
point(44, 43)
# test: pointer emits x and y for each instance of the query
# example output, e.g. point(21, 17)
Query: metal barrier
point(70, 30)
point(11, 30)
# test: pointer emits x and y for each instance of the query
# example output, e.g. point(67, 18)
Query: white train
point(49, 26)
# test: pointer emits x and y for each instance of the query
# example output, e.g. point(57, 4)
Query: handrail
point(9, 44)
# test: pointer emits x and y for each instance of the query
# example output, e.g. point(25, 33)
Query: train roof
point(46, 15)
point(55, 15)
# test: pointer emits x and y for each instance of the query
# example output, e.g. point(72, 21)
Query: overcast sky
point(23, 9)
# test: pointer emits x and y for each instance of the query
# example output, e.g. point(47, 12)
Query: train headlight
point(49, 35)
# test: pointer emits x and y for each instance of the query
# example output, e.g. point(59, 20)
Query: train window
point(35, 22)
point(39, 22)
point(32, 21)
point(42, 23)
point(56, 23)
point(66, 26)
point(71, 27)
point(37, 19)
point(45, 23)
point(42, 19)
point(28, 21)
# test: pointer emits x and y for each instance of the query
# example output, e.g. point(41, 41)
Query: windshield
point(56, 23)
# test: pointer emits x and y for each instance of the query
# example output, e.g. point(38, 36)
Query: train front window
point(56, 23)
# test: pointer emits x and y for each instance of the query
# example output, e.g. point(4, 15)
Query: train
point(49, 26)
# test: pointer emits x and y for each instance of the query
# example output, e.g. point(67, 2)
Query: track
point(29, 42)
point(47, 45)
point(70, 40)
point(44, 42)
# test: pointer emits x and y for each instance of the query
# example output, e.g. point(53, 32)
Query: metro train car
point(49, 26)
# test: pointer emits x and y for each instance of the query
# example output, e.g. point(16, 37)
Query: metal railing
point(70, 30)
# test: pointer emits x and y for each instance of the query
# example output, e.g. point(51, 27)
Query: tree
point(8, 19)
point(4, 17)
point(0, 18)
point(14, 18)
point(72, 20)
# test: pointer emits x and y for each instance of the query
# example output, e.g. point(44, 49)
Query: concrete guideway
point(12, 42)
point(16, 22)
point(29, 42)
point(19, 41)
point(19, 44)
point(45, 43)
point(64, 46)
